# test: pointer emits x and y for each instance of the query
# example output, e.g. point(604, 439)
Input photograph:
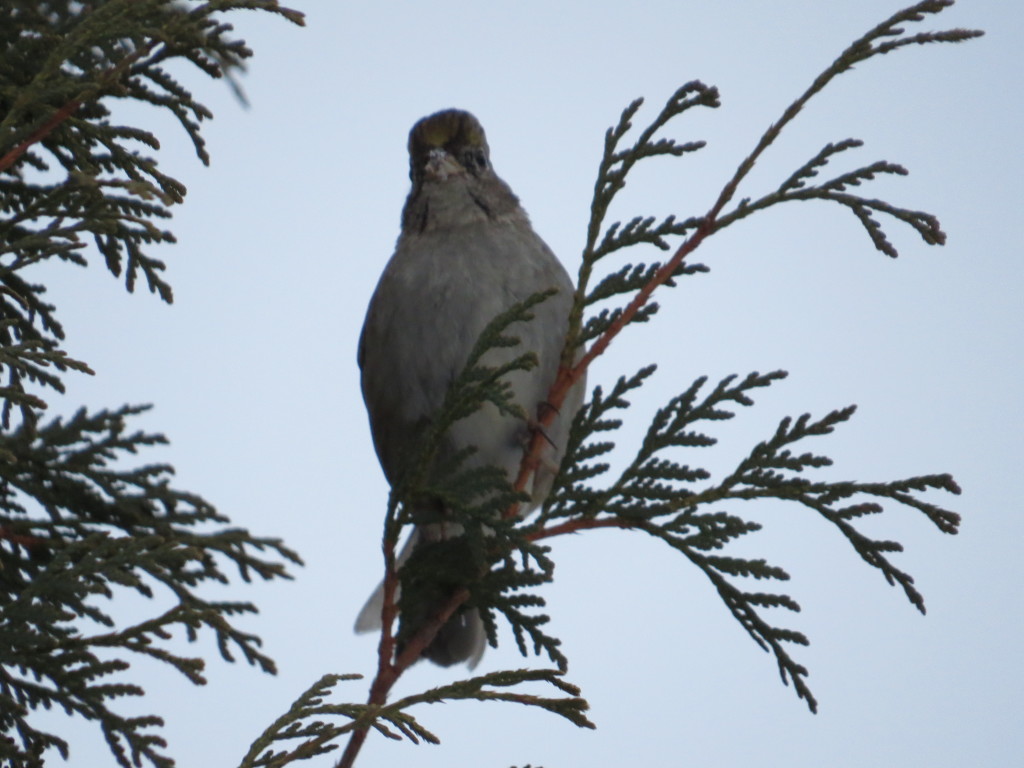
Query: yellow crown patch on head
point(450, 127)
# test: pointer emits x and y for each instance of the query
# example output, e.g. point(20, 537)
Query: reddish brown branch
point(581, 524)
point(662, 276)
point(388, 672)
point(29, 542)
point(111, 75)
point(40, 133)
point(389, 609)
point(568, 377)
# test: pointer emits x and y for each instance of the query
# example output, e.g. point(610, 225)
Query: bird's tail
point(461, 639)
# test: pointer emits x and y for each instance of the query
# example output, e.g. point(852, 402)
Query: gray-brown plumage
point(466, 253)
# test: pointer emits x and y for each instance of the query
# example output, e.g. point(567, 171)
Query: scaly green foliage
point(674, 502)
point(79, 526)
point(306, 718)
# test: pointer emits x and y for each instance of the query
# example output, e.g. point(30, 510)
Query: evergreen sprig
point(884, 38)
point(305, 719)
point(602, 241)
point(526, 565)
point(69, 174)
point(80, 525)
point(638, 282)
point(656, 494)
point(493, 685)
point(79, 528)
point(794, 188)
point(308, 717)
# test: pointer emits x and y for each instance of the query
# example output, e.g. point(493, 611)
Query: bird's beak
point(441, 165)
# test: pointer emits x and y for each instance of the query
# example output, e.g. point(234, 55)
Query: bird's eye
point(474, 159)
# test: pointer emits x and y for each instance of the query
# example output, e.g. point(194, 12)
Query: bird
point(466, 252)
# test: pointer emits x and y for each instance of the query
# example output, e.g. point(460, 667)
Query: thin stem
point(582, 524)
point(110, 76)
point(388, 673)
point(40, 133)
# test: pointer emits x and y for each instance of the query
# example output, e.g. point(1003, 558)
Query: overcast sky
point(281, 241)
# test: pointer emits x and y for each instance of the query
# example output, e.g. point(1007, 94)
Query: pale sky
point(281, 241)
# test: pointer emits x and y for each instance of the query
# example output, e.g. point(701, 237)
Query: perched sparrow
point(466, 253)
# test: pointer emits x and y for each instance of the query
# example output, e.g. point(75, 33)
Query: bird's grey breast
point(435, 298)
